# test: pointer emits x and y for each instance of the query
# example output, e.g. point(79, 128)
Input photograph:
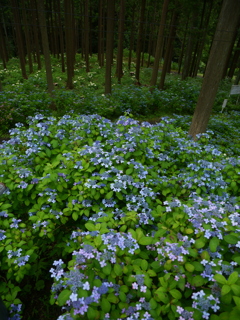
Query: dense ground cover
point(119, 219)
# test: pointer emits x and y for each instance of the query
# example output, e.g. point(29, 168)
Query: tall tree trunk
point(167, 55)
point(228, 22)
point(109, 45)
point(19, 37)
point(27, 36)
point(101, 34)
point(131, 37)
point(34, 18)
point(235, 60)
point(190, 44)
point(3, 48)
point(202, 40)
point(70, 47)
point(86, 24)
point(45, 46)
point(159, 48)
point(61, 37)
point(119, 70)
point(139, 41)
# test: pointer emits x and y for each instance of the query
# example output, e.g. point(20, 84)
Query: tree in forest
point(70, 41)
point(159, 47)
point(139, 40)
point(45, 46)
point(19, 36)
point(119, 71)
point(109, 45)
point(228, 23)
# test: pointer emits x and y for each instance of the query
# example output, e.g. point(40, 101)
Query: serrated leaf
point(90, 226)
point(117, 269)
point(75, 216)
point(235, 289)
point(197, 281)
point(145, 241)
point(231, 239)
point(63, 297)
point(225, 289)
point(144, 265)
point(233, 278)
point(105, 305)
point(91, 313)
point(176, 294)
point(237, 301)
point(220, 278)
point(213, 244)
point(189, 267)
point(109, 195)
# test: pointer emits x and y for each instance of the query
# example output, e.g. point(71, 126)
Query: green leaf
point(90, 226)
point(112, 298)
point(231, 239)
point(176, 294)
point(189, 267)
point(75, 216)
point(122, 296)
point(233, 278)
point(214, 243)
point(105, 305)
point(220, 278)
point(144, 265)
point(197, 281)
point(107, 269)
point(237, 301)
point(161, 296)
point(63, 297)
point(199, 243)
point(109, 195)
point(145, 241)
point(91, 313)
point(118, 269)
point(225, 289)
point(235, 289)
point(119, 195)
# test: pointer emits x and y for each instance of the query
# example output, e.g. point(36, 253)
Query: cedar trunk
point(228, 23)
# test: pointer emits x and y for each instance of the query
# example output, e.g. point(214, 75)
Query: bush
point(132, 221)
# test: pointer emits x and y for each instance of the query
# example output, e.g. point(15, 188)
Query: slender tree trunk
point(168, 49)
point(159, 48)
point(61, 37)
point(27, 36)
point(3, 49)
point(180, 60)
point(101, 34)
point(228, 22)
point(19, 37)
point(109, 45)
point(45, 45)
point(139, 41)
point(86, 23)
point(70, 47)
point(119, 70)
point(131, 37)
point(235, 60)
point(190, 44)
point(33, 7)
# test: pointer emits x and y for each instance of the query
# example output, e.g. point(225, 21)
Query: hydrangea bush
point(129, 220)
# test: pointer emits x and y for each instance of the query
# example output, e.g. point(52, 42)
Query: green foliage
point(129, 218)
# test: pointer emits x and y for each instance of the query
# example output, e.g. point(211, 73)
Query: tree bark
point(159, 48)
point(19, 37)
point(168, 49)
point(86, 24)
point(45, 45)
point(119, 71)
point(139, 41)
point(109, 45)
point(228, 22)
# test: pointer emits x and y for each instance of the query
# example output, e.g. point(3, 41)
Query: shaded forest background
point(168, 35)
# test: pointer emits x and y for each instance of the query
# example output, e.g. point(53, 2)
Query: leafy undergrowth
point(127, 220)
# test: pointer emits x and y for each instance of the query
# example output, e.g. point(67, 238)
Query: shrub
point(132, 221)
